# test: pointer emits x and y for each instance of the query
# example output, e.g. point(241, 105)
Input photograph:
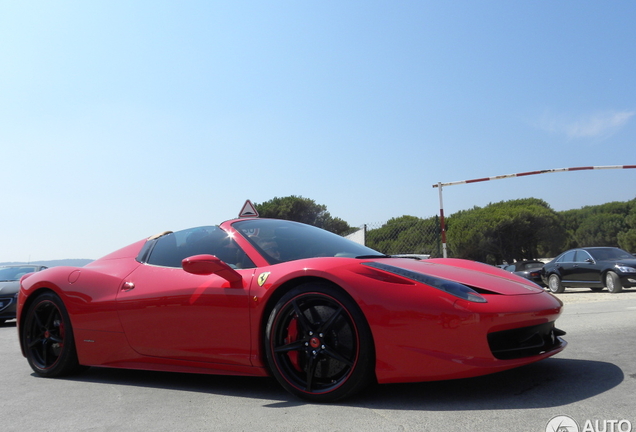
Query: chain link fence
point(403, 235)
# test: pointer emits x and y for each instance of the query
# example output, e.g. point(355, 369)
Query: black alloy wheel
point(318, 344)
point(47, 337)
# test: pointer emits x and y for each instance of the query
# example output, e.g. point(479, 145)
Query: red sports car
point(323, 315)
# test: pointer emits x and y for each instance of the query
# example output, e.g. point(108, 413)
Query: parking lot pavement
point(585, 295)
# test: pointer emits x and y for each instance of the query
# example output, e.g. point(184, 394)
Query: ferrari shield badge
point(262, 278)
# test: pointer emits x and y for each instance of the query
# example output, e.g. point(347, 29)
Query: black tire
point(554, 284)
point(613, 282)
point(318, 344)
point(47, 337)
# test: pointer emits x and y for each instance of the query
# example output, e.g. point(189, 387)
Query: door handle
point(127, 286)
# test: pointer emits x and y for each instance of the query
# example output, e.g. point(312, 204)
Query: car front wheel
point(613, 282)
point(47, 337)
point(318, 344)
point(555, 285)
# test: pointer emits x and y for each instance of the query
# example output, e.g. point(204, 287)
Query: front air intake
point(525, 341)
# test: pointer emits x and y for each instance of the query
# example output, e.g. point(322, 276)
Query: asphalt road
point(593, 380)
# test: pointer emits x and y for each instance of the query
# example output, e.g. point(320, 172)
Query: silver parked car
point(9, 287)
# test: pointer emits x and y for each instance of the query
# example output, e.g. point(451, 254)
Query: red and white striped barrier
point(523, 174)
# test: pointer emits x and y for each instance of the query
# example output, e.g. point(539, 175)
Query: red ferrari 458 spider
point(325, 316)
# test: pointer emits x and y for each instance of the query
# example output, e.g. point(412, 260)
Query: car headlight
point(625, 269)
point(454, 288)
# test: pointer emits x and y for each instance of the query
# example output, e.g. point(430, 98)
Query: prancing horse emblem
point(262, 278)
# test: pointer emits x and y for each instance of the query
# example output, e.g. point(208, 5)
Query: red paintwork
point(178, 321)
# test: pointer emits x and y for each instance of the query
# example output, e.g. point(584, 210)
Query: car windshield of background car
point(9, 274)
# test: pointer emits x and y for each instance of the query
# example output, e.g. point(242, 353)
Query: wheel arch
point(556, 273)
point(284, 289)
point(25, 307)
point(603, 275)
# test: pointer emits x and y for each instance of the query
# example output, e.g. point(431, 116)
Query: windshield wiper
point(373, 256)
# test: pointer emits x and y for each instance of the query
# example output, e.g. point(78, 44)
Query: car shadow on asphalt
point(549, 383)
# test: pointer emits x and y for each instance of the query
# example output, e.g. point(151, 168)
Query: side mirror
point(589, 261)
point(209, 264)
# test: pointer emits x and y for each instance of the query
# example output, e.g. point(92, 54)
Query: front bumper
point(8, 307)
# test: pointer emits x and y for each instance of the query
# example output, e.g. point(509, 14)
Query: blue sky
point(121, 119)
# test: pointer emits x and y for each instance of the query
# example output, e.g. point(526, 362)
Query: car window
point(567, 257)
point(510, 268)
point(530, 266)
point(8, 274)
point(172, 248)
point(582, 255)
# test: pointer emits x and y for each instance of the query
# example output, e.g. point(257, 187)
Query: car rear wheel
point(47, 337)
point(555, 285)
point(613, 282)
point(318, 344)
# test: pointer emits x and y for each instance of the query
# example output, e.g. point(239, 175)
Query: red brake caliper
point(292, 335)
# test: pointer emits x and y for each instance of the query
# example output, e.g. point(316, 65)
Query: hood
point(470, 273)
point(9, 287)
point(628, 262)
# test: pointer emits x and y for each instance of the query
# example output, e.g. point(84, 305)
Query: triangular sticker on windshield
point(248, 210)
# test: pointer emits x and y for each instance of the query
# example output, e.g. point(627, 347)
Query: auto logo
point(262, 278)
point(562, 424)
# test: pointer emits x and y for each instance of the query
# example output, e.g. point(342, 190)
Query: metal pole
point(441, 221)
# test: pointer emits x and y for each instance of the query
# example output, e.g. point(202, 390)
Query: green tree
point(508, 230)
point(627, 238)
point(407, 234)
point(600, 225)
point(600, 229)
point(465, 234)
point(303, 210)
point(571, 220)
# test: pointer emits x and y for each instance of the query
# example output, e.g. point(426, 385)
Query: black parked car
point(593, 267)
point(527, 269)
point(10, 285)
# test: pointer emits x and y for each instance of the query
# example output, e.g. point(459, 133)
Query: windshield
point(604, 254)
point(8, 274)
point(281, 241)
